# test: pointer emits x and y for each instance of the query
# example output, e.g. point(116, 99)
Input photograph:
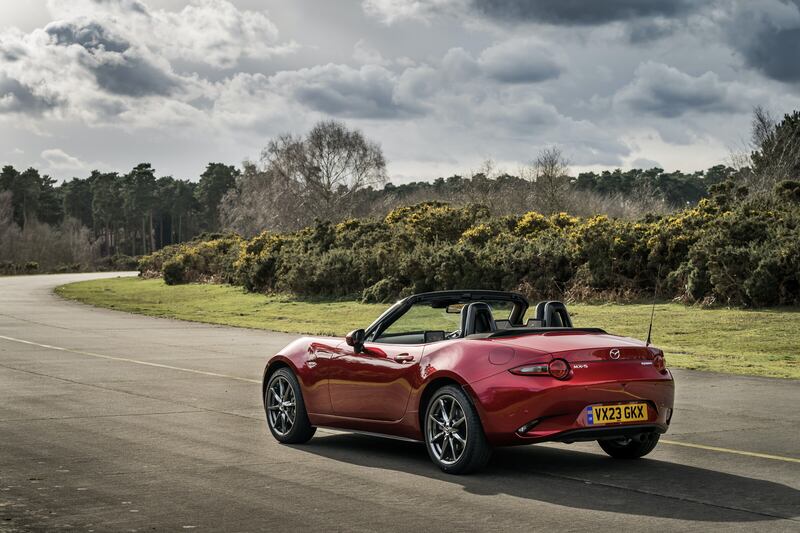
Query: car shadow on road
point(583, 480)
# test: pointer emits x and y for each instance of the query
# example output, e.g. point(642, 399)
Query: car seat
point(477, 317)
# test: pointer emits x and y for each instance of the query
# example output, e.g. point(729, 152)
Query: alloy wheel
point(447, 430)
point(281, 405)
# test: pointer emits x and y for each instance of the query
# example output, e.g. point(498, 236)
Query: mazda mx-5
point(466, 371)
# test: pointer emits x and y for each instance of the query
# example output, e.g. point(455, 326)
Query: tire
point(630, 448)
point(287, 419)
point(453, 433)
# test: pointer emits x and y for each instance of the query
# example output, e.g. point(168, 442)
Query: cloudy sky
point(441, 84)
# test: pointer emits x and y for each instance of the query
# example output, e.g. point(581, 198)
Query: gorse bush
point(729, 249)
point(213, 259)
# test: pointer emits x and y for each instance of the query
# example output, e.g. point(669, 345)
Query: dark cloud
point(340, 90)
point(667, 92)
point(16, 97)
point(580, 12)
point(91, 36)
point(774, 52)
point(766, 35)
point(116, 66)
point(134, 77)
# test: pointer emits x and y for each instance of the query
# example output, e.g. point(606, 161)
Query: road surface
point(117, 422)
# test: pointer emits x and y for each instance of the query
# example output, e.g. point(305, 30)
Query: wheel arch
point(436, 383)
point(275, 364)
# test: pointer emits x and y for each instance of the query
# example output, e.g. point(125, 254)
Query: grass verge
point(760, 343)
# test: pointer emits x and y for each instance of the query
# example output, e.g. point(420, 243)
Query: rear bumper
point(524, 409)
point(601, 433)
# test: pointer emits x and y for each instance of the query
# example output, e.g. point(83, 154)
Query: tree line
point(334, 173)
point(133, 213)
point(106, 218)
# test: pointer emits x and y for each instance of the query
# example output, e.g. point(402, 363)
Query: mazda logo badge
point(614, 353)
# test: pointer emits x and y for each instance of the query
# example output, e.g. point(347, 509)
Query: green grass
point(761, 343)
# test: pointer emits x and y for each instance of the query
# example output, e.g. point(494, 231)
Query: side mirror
point(356, 339)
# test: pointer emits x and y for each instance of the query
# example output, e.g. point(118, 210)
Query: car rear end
point(588, 387)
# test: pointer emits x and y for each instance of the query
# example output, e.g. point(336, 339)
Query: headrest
point(475, 313)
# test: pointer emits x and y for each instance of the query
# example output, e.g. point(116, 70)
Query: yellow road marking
point(134, 361)
point(728, 450)
point(247, 380)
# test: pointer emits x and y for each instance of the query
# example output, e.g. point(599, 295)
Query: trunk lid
point(581, 346)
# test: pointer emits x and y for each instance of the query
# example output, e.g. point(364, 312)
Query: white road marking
point(728, 450)
point(127, 360)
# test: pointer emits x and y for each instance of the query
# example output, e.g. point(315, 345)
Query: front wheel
point(453, 432)
point(632, 448)
point(286, 413)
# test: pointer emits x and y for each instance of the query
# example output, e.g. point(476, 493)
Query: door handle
point(403, 358)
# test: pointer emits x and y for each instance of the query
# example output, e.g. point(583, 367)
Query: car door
point(315, 378)
point(374, 384)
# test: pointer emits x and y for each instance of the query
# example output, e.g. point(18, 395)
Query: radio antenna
point(653, 308)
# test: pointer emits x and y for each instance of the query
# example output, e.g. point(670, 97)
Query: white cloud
point(58, 159)
point(391, 11)
point(365, 54)
point(212, 32)
point(116, 62)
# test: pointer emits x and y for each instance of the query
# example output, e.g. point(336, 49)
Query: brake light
point(659, 363)
point(557, 368)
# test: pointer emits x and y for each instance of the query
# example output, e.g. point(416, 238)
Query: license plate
point(612, 414)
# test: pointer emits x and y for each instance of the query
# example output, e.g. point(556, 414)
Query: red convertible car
point(464, 371)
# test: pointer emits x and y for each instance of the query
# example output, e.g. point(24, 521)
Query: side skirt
point(369, 433)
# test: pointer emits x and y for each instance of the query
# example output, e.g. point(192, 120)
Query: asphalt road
point(115, 422)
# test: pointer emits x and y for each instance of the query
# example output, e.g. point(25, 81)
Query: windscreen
point(431, 316)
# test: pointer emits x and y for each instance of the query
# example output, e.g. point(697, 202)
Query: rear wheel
point(630, 448)
point(286, 413)
point(453, 433)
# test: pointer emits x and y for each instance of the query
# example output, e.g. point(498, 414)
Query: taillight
point(535, 369)
point(557, 368)
point(659, 363)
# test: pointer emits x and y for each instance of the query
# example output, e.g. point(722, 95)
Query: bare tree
point(550, 180)
point(762, 126)
point(300, 179)
point(329, 165)
point(261, 199)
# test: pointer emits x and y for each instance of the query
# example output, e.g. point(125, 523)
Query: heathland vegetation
point(729, 249)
